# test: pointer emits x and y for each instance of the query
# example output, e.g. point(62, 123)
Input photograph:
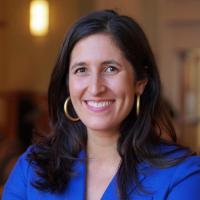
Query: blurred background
point(27, 59)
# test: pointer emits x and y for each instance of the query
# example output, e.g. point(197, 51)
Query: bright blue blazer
point(180, 182)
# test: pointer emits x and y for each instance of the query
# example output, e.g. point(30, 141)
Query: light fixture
point(39, 17)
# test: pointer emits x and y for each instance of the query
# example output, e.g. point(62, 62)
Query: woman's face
point(101, 83)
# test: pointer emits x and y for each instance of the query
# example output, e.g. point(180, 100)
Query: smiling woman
point(111, 135)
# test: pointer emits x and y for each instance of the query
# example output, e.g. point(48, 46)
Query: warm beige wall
point(128, 7)
point(179, 30)
point(1, 40)
point(149, 20)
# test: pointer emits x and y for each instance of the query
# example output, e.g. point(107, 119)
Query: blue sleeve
point(15, 187)
point(186, 181)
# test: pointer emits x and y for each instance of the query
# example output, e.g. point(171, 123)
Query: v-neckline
point(77, 185)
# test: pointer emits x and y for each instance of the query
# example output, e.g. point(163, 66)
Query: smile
point(98, 105)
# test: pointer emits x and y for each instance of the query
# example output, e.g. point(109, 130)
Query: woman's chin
point(101, 128)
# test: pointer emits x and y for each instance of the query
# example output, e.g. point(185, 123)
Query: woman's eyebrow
point(108, 62)
point(76, 64)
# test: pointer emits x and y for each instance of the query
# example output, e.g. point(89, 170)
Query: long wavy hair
point(140, 134)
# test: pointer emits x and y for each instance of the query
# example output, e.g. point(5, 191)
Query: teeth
point(101, 104)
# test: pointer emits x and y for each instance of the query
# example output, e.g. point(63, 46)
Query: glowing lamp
point(39, 17)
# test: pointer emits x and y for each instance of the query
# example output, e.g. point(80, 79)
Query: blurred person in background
point(111, 136)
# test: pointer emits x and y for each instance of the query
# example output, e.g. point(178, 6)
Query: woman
point(113, 139)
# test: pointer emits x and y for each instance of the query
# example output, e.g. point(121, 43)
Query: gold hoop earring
point(138, 105)
point(66, 111)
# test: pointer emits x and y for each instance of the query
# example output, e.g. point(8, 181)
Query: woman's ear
point(140, 86)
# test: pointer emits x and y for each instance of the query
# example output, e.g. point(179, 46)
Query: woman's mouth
point(99, 105)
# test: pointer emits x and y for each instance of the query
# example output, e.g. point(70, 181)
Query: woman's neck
point(102, 146)
point(102, 163)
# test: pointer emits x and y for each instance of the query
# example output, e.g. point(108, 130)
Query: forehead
point(101, 44)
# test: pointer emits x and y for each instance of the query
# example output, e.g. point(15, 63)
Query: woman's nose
point(96, 85)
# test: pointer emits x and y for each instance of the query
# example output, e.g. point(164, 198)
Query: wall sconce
point(39, 17)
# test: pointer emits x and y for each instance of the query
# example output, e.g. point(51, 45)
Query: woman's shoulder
point(187, 168)
point(181, 160)
point(183, 175)
point(181, 181)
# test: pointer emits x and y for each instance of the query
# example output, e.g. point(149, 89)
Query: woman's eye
point(80, 70)
point(111, 69)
